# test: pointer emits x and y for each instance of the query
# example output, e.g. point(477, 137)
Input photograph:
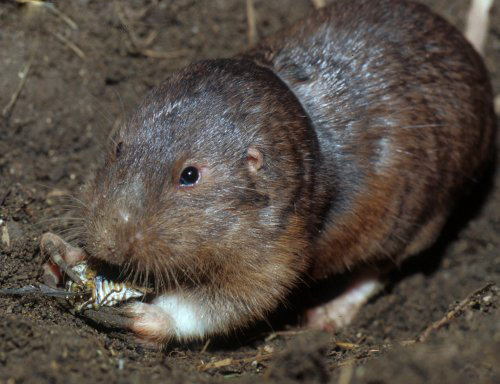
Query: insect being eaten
point(97, 291)
point(88, 289)
point(83, 288)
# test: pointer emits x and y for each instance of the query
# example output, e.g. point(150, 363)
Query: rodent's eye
point(118, 149)
point(189, 176)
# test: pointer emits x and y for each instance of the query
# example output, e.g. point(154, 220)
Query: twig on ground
point(251, 22)
point(205, 346)
point(162, 55)
point(5, 195)
point(346, 373)
point(69, 44)
point(230, 361)
point(62, 15)
point(346, 345)
point(51, 7)
point(291, 332)
point(13, 99)
point(451, 314)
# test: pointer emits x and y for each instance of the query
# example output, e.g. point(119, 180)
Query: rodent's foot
point(340, 311)
point(60, 255)
point(150, 323)
point(169, 316)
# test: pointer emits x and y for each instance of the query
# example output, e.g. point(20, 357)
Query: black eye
point(118, 149)
point(189, 176)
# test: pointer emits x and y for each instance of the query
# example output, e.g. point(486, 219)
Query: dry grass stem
point(205, 346)
point(452, 314)
point(291, 332)
point(346, 345)
point(230, 361)
point(251, 22)
point(162, 55)
point(72, 46)
point(51, 7)
point(346, 373)
point(13, 99)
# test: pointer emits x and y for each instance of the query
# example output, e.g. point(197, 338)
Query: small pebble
point(121, 364)
point(5, 236)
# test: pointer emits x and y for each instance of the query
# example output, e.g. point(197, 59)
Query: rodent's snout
point(121, 222)
point(116, 237)
point(116, 224)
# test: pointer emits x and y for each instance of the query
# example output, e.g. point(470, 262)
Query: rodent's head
point(213, 175)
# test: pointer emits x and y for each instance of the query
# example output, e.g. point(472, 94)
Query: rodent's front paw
point(151, 324)
point(60, 256)
point(170, 316)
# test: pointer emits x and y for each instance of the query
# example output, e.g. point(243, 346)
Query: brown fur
point(417, 102)
point(363, 123)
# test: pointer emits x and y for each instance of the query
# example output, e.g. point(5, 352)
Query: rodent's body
point(401, 107)
point(342, 140)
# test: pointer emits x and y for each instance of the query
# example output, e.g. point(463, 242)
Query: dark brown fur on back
point(401, 105)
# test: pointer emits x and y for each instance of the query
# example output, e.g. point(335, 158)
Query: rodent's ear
point(255, 159)
point(116, 150)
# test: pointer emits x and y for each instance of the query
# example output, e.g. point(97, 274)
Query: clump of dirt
point(302, 360)
point(74, 70)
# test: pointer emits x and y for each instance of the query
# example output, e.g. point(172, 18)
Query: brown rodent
point(340, 141)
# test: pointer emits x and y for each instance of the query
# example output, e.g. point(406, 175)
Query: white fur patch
point(188, 319)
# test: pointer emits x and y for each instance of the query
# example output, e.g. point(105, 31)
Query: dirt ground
point(89, 63)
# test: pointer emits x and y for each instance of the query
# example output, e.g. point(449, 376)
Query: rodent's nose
point(126, 234)
point(109, 242)
point(114, 236)
point(117, 230)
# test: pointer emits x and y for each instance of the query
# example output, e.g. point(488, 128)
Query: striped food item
point(97, 291)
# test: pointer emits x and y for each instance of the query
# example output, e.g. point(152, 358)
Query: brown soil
point(52, 137)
